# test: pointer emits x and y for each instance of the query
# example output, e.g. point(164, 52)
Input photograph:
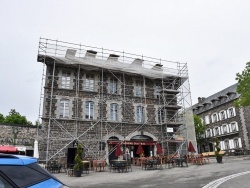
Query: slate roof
point(226, 95)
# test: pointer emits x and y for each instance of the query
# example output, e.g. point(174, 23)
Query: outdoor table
point(120, 165)
point(179, 161)
point(85, 167)
point(151, 164)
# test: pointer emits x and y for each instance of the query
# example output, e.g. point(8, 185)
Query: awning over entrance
point(7, 149)
point(133, 143)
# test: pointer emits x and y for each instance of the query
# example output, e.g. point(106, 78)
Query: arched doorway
point(146, 142)
point(111, 147)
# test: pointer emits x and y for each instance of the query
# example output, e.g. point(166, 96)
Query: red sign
point(132, 143)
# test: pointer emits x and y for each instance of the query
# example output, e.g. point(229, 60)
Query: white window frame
point(223, 115)
point(139, 114)
point(64, 108)
point(213, 117)
point(65, 80)
point(226, 144)
point(113, 86)
point(113, 112)
point(207, 120)
point(89, 110)
point(89, 82)
point(234, 126)
point(231, 112)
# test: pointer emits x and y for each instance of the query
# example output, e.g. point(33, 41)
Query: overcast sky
point(212, 36)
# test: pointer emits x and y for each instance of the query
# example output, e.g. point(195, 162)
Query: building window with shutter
point(214, 117)
point(65, 80)
point(89, 110)
point(139, 114)
point(234, 127)
point(64, 108)
point(217, 131)
point(222, 115)
point(226, 144)
point(224, 127)
point(114, 112)
point(89, 83)
point(231, 112)
point(207, 120)
point(113, 86)
point(236, 143)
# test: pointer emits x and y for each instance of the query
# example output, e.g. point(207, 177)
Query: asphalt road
point(194, 176)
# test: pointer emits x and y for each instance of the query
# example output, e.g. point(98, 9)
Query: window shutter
point(219, 116)
point(211, 132)
point(231, 144)
point(229, 128)
point(228, 113)
point(225, 112)
point(214, 131)
point(212, 117)
point(240, 144)
point(236, 125)
point(234, 111)
point(222, 145)
point(221, 130)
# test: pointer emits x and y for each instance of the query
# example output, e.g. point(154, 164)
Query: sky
point(211, 36)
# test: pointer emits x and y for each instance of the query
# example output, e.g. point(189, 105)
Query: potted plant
point(217, 151)
point(78, 167)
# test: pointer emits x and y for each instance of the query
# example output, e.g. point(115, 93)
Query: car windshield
point(24, 176)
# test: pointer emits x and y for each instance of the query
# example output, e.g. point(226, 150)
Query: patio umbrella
point(36, 153)
point(139, 150)
point(118, 151)
point(159, 149)
point(7, 149)
point(191, 147)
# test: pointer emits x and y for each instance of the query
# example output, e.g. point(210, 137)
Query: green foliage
point(217, 147)
point(2, 118)
point(243, 87)
point(199, 129)
point(78, 158)
point(15, 118)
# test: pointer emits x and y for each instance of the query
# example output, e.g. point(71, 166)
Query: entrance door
point(71, 156)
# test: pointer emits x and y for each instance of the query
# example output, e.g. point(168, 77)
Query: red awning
point(133, 143)
point(7, 149)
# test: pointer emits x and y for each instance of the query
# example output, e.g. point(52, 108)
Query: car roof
point(9, 159)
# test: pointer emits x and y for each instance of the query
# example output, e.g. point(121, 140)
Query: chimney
point(199, 99)
point(157, 67)
point(113, 57)
point(70, 53)
point(136, 63)
point(90, 53)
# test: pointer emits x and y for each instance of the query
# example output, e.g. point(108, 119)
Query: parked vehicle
point(17, 171)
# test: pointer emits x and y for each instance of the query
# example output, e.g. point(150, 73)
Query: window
point(66, 80)
point(64, 108)
point(234, 127)
point(216, 131)
point(158, 88)
point(224, 127)
point(161, 115)
point(138, 88)
point(222, 115)
point(209, 133)
point(226, 144)
point(231, 112)
point(113, 86)
point(214, 117)
point(114, 112)
point(207, 121)
point(139, 114)
point(89, 110)
point(236, 143)
point(89, 83)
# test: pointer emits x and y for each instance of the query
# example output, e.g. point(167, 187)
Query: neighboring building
point(101, 98)
point(222, 120)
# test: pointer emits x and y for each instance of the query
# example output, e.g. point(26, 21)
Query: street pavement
point(194, 176)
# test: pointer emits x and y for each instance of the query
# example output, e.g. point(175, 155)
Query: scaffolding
point(173, 96)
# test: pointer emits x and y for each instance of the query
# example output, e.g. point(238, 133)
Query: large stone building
point(101, 98)
point(222, 120)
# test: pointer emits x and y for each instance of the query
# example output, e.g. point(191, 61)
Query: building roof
point(224, 96)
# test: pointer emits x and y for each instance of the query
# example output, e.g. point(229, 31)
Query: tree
point(15, 118)
point(243, 87)
point(2, 118)
point(199, 129)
